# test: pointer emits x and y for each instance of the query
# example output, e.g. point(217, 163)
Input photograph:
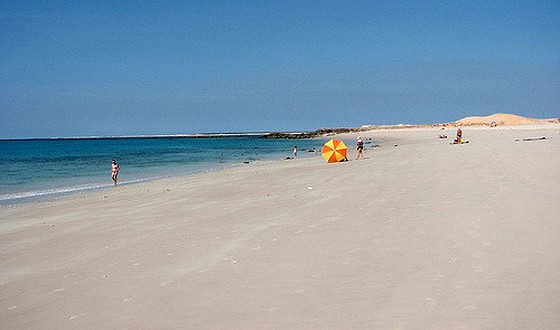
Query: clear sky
point(73, 68)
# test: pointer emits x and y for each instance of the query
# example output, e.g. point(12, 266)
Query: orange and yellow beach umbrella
point(334, 151)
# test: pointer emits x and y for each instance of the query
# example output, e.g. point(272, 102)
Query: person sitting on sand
point(443, 136)
point(360, 148)
point(459, 138)
point(115, 171)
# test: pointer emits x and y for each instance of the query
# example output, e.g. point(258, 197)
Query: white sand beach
point(420, 234)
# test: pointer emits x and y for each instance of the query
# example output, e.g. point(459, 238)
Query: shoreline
point(47, 196)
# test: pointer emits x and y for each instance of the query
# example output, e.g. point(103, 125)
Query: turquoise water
point(43, 168)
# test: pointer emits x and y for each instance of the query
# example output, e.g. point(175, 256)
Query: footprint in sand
point(58, 290)
point(437, 277)
point(76, 316)
point(430, 301)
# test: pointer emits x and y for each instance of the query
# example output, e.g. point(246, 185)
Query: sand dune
point(502, 119)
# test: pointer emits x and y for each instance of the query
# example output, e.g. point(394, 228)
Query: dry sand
point(421, 235)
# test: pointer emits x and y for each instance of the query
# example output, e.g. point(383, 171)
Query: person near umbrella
point(360, 148)
point(115, 168)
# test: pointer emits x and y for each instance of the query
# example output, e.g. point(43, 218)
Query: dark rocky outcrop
point(310, 135)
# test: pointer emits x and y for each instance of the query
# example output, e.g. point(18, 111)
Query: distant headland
point(498, 119)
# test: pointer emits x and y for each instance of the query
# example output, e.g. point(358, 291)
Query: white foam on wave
point(47, 192)
point(18, 196)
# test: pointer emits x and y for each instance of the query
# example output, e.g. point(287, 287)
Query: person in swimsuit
point(295, 152)
point(115, 171)
point(360, 148)
point(459, 138)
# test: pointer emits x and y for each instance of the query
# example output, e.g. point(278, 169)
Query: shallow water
point(32, 168)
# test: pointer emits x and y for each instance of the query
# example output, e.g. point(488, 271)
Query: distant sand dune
point(503, 119)
point(498, 119)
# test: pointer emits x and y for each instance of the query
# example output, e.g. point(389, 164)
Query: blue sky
point(72, 68)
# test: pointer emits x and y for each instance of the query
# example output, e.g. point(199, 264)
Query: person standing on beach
point(295, 152)
point(360, 148)
point(115, 168)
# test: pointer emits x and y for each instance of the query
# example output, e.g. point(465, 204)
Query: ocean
point(46, 168)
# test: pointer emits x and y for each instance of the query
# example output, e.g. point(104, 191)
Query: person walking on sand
point(115, 171)
point(360, 148)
